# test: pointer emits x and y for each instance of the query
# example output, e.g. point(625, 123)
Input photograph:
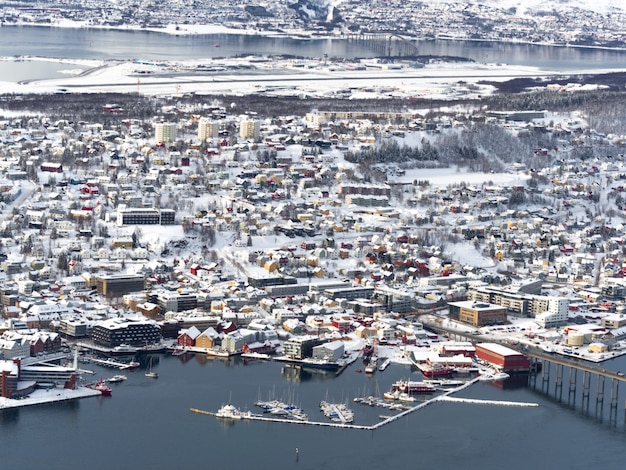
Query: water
point(147, 424)
point(77, 44)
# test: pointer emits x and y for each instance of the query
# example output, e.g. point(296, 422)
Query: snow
point(39, 397)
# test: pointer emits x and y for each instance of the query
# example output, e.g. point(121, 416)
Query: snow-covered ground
point(39, 397)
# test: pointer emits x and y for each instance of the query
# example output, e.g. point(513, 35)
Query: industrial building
point(506, 359)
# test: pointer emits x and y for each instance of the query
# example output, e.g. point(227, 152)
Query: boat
point(385, 364)
point(368, 349)
point(337, 412)
point(491, 375)
point(217, 353)
point(123, 350)
point(150, 373)
point(154, 348)
point(102, 387)
point(444, 383)
point(370, 368)
point(435, 370)
point(358, 370)
point(229, 412)
point(178, 352)
point(411, 387)
point(323, 364)
point(117, 378)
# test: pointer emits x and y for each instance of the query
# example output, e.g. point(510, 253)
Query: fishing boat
point(370, 368)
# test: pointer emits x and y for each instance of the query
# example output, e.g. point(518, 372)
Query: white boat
point(370, 368)
point(150, 373)
point(117, 378)
point(385, 364)
point(490, 375)
point(229, 412)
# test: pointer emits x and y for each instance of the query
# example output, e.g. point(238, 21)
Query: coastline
point(215, 29)
point(46, 396)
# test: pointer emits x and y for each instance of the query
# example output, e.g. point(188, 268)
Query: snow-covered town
point(574, 23)
point(208, 230)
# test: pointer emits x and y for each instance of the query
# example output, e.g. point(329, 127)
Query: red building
point(187, 337)
point(502, 357)
point(51, 167)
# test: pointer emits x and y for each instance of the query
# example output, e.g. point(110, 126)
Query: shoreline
point(47, 396)
point(214, 29)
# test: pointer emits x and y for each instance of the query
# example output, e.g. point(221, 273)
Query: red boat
point(435, 370)
point(102, 387)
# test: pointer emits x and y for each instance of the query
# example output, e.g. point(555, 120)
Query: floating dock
point(488, 402)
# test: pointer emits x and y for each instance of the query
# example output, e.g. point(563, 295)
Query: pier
point(386, 419)
point(112, 363)
point(489, 402)
point(547, 361)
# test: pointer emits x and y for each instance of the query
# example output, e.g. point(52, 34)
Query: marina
point(343, 417)
point(114, 364)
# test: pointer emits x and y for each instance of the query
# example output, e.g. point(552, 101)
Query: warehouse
point(503, 358)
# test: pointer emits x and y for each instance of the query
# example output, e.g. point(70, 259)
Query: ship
point(123, 350)
point(323, 364)
point(102, 387)
point(370, 368)
point(411, 387)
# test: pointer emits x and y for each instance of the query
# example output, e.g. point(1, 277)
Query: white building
point(164, 132)
point(250, 129)
point(208, 129)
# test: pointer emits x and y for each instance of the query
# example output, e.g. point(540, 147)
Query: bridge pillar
point(613, 403)
point(600, 389)
point(545, 375)
point(558, 383)
point(586, 387)
point(573, 375)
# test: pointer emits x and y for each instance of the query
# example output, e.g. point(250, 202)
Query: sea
point(147, 424)
point(103, 44)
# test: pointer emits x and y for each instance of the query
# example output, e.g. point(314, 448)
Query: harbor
point(342, 417)
point(49, 395)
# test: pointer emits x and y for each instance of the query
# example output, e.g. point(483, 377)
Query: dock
point(111, 363)
point(489, 402)
point(386, 419)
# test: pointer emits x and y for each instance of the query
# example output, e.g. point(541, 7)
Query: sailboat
point(150, 373)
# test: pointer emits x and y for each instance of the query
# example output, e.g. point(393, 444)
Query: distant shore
point(218, 29)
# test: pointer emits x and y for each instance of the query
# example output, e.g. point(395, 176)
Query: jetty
point(385, 418)
point(488, 402)
point(112, 363)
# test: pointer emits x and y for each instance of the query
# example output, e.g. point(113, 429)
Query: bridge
point(387, 44)
point(574, 366)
